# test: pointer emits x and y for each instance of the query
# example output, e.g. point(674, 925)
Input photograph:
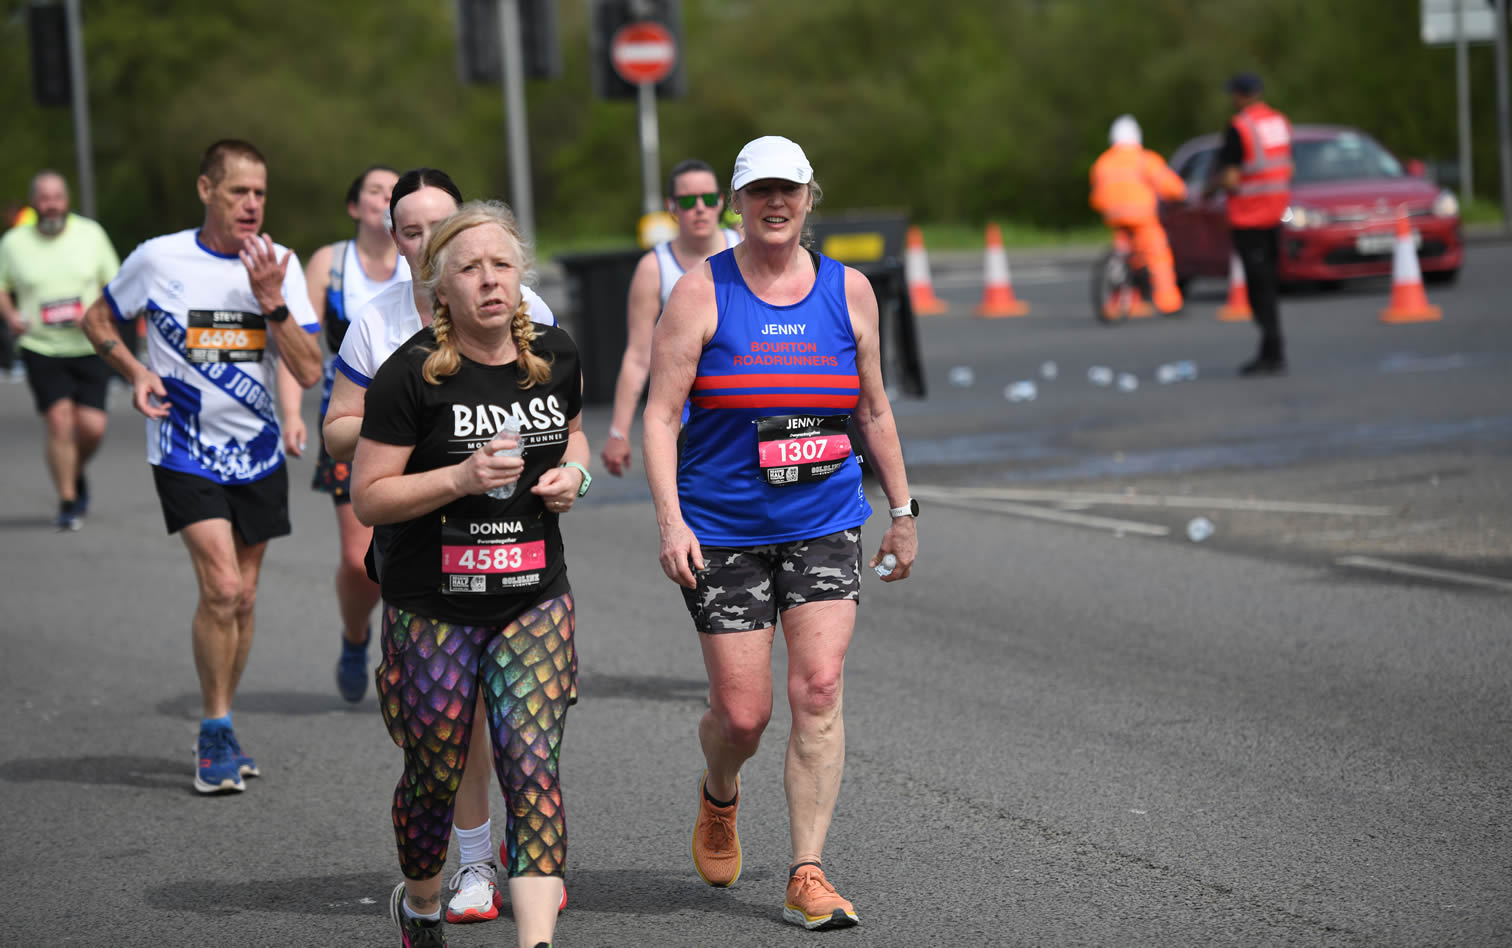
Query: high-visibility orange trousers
point(1151, 244)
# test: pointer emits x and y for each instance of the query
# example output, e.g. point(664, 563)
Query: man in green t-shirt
point(56, 269)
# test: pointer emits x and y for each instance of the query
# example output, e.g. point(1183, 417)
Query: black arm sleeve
point(391, 408)
point(1232, 152)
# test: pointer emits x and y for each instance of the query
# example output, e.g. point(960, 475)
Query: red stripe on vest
point(775, 400)
point(776, 381)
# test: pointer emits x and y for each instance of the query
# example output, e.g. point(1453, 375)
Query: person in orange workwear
point(1127, 179)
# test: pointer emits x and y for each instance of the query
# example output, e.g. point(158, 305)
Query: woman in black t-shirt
point(474, 583)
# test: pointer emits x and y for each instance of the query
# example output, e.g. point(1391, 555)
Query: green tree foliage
point(956, 111)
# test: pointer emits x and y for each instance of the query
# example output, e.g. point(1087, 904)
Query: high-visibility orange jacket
point(1265, 176)
point(1127, 179)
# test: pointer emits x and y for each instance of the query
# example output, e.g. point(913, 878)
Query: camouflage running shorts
point(744, 588)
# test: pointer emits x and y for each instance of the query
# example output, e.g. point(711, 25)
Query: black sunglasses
point(688, 201)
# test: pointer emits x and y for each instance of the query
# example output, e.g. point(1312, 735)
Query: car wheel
point(1441, 276)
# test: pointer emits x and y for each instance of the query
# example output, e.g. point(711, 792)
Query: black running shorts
point(80, 378)
point(744, 588)
point(259, 511)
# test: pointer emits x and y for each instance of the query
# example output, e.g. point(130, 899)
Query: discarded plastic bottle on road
point(509, 429)
point(1049, 371)
point(1127, 381)
point(962, 376)
point(1183, 371)
point(1025, 391)
point(1199, 529)
point(1100, 375)
point(884, 569)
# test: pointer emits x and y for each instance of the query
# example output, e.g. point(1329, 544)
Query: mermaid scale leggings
point(427, 691)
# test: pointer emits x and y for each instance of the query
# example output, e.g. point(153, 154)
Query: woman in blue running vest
point(776, 348)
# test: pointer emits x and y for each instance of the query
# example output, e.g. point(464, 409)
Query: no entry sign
point(643, 52)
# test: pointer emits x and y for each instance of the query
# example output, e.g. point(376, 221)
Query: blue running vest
point(767, 361)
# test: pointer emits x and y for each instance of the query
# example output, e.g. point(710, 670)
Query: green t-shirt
point(55, 279)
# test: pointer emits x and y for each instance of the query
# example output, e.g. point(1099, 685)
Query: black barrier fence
point(598, 284)
point(597, 287)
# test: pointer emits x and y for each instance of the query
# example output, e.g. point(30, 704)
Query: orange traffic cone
point(916, 273)
point(997, 296)
point(1237, 309)
point(1409, 304)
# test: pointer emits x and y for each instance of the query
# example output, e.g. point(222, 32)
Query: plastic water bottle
point(1127, 382)
point(1024, 391)
point(1183, 371)
point(510, 428)
point(1199, 529)
point(1100, 375)
point(962, 376)
point(884, 569)
point(1049, 371)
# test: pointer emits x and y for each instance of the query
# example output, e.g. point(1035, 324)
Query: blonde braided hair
point(445, 360)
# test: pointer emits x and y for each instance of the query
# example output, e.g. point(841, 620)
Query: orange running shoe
point(813, 903)
point(716, 845)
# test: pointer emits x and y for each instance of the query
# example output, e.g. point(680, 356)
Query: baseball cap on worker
point(771, 156)
point(1245, 83)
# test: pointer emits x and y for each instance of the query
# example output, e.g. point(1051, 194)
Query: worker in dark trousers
point(1256, 170)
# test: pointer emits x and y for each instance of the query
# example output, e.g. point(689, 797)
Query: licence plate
point(1372, 245)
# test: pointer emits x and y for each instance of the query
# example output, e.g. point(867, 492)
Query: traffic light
point(478, 40)
point(608, 17)
point(48, 26)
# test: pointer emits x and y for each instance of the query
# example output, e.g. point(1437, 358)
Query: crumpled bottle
point(510, 428)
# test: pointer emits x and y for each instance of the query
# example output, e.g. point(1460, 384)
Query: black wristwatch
point(279, 314)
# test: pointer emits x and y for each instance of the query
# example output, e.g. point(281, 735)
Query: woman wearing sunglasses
point(696, 202)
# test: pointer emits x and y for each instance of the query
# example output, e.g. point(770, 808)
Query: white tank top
point(353, 283)
point(671, 271)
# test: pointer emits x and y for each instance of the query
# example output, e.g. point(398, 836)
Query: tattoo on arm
point(104, 348)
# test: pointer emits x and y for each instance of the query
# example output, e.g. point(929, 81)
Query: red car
point(1347, 193)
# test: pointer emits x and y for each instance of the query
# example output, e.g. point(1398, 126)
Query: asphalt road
point(1073, 726)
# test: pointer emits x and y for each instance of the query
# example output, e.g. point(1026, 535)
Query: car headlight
point(1301, 217)
point(1446, 205)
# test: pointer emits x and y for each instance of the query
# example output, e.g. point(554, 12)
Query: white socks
point(475, 845)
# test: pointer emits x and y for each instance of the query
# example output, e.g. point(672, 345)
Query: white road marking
point(1062, 516)
point(1426, 572)
point(1086, 498)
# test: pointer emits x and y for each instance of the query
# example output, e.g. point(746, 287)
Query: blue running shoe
point(67, 521)
point(217, 772)
point(245, 765)
point(352, 669)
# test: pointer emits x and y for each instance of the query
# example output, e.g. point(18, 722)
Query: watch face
point(913, 507)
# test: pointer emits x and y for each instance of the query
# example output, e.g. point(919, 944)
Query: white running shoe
point(477, 897)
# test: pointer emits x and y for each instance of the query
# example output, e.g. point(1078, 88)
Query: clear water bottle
point(962, 376)
point(1049, 371)
point(1127, 381)
point(1199, 529)
point(1024, 391)
point(1100, 375)
point(1183, 371)
point(884, 569)
point(510, 429)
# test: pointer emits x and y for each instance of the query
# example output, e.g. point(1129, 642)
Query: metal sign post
point(1503, 120)
point(514, 108)
point(644, 53)
point(1462, 97)
point(83, 149)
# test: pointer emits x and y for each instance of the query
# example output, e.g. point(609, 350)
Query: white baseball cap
point(771, 156)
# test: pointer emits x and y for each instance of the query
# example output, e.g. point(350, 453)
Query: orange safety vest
point(1126, 180)
point(1265, 176)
